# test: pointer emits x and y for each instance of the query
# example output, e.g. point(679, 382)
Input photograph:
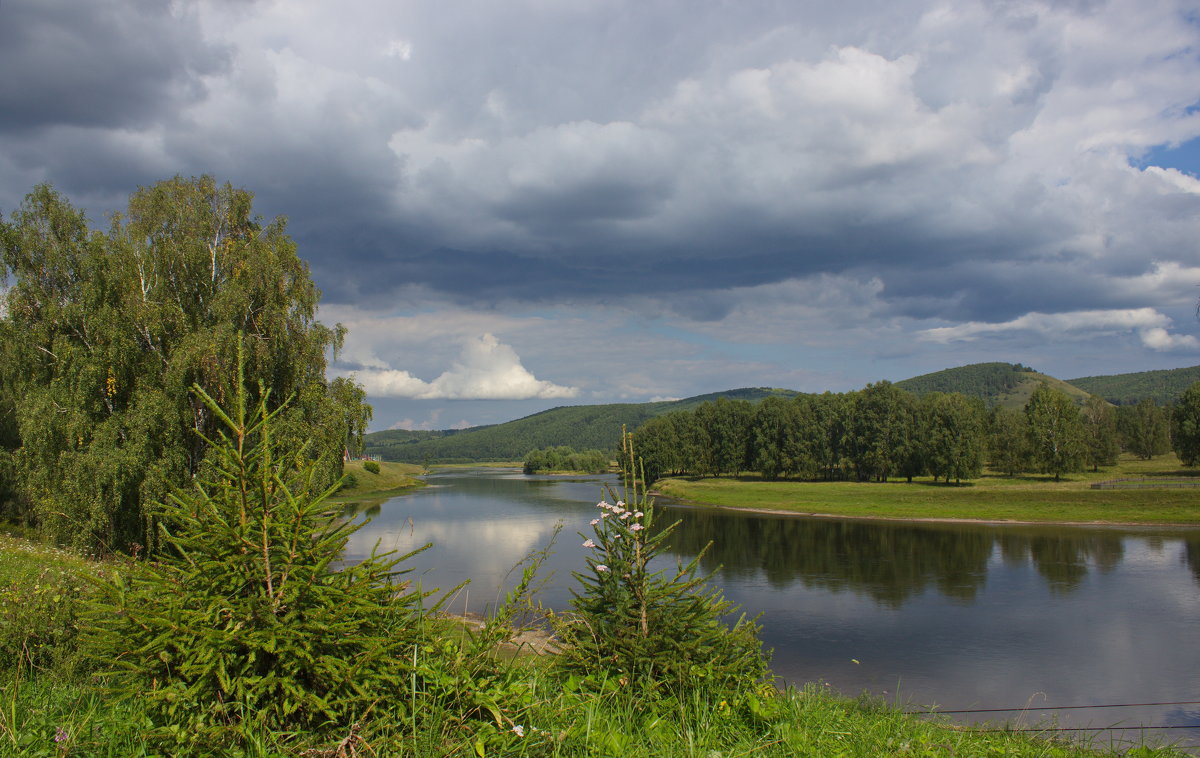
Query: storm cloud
point(880, 188)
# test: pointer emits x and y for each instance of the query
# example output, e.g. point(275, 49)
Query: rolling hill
point(582, 427)
point(599, 426)
point(1163, 387)
point(1005, 384)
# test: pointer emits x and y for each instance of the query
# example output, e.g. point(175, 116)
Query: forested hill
point(1004, 384)
point(582, 427)
point(1163, 387)
point(598, 427)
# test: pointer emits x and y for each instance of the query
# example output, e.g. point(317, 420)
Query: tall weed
point(42, 594)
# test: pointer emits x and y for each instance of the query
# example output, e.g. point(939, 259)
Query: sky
point(519, 205)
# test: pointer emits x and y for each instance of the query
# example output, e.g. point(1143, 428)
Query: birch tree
point(104, 332)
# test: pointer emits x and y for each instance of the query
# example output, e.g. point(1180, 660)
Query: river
point(956, 616)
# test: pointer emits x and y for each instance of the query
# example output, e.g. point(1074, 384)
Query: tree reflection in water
point(894, 562)
point(1191, 554)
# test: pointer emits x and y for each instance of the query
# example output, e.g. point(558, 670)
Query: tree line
point(882, 431)
point(104, 333)
point(1162, 386)
point(563, 458)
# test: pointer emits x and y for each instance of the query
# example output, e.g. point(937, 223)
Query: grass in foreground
point(559, 722)
point(804, 722)
point(994, 497)
point(47, 709)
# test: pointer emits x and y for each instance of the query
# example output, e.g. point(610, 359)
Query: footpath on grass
point(1034, 499)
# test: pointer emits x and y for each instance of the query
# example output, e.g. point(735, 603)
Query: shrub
point(371, 467)
point(658, 631)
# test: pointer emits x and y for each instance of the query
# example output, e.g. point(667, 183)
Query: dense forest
point(1007, 385)
point(1163, 387)
point(986, 381)
point(882, 432)
point(581, 427)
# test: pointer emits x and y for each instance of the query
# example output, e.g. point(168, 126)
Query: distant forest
point(585, 427)
point(986, 381)
point(582, 427)
point(1163, 387)
point(883, 431)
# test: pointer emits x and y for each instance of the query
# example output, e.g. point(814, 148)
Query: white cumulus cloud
point(1148, 323)
point(1163, 341)
point(487, 369)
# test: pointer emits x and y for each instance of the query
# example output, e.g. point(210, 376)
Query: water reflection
point(962, 615)
point(488, 520)
point(1191, 556)
point(891, 562)
point(888, 562)
point(481, 523)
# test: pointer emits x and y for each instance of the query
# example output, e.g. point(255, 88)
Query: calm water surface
point(958, 616)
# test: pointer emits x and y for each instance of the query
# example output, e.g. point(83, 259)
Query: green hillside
point(582, 427)
point(1163, 387)
point(598, 427)
point(1005, 384)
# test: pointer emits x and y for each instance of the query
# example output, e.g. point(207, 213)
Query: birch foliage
point(104, 332)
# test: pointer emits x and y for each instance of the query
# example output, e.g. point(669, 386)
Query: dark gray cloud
point(108, 63)
point(721, 173)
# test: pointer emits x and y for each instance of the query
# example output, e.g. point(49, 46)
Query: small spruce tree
point(244, 624)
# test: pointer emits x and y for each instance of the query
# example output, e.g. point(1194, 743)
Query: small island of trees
point(562, 459)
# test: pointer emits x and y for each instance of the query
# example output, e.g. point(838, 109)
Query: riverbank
point(368, 486)
point(992, 498)
point(56, 707)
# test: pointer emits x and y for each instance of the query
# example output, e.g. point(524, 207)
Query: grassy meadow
point(392, 479)
point(994, 497)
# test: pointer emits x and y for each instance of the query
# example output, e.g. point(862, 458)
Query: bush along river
point(950, 616)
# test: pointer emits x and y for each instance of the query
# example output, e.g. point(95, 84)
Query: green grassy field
point(994, 497)
point(392, 479)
